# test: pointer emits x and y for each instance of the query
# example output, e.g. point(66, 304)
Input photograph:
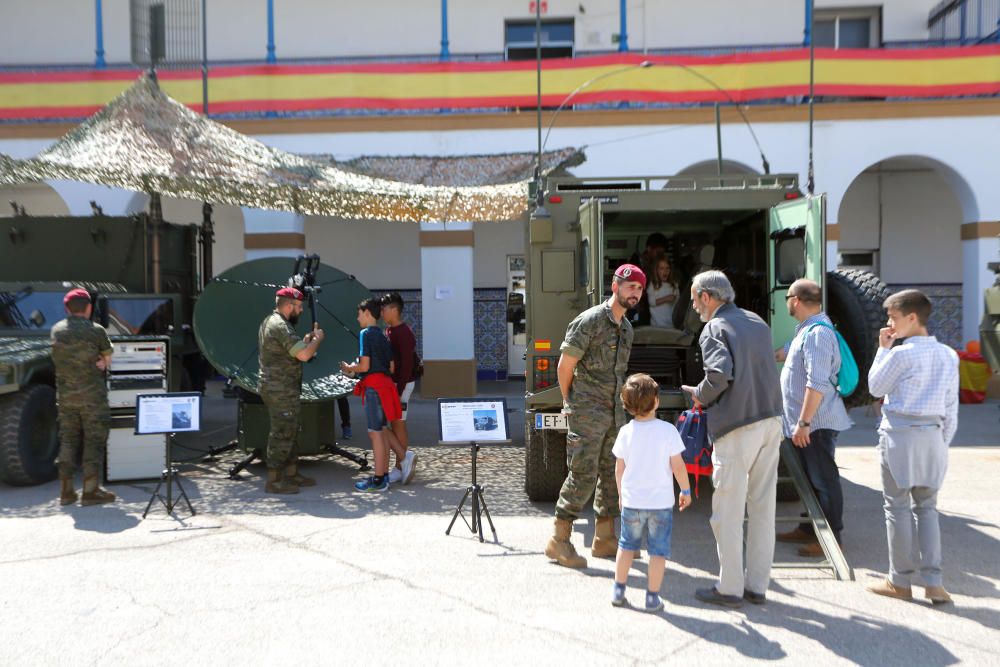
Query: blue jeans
point(818, 461)
point(373, 411)
point(657, 524)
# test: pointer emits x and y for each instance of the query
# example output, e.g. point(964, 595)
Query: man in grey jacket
point(742, 395)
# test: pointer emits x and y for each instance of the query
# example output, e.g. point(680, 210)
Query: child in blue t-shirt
point(378, 393)
point(648, 451)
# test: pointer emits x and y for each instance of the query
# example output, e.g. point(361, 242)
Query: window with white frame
point(848, 28)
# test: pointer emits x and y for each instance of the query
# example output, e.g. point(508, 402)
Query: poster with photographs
point(167, 413)
point(479, 420)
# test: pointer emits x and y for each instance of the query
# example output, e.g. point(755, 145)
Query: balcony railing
point(965, 21)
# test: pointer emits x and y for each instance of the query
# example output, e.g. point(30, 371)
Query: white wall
point(36, 198)
point(381, 255)
point(494, 241)
point(63, 31)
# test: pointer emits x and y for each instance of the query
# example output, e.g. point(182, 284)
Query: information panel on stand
point(462, 421)
point(168, 413)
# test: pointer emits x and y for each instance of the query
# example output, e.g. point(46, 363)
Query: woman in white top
point(662, 294)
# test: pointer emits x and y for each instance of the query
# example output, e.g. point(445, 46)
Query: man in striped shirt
point(814, 412)
point(919, 379)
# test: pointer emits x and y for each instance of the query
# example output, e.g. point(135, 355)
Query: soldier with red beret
point(81, 353)
point(281, 355)
point(591, 372)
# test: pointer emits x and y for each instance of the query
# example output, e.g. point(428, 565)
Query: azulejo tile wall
point(946, 317)
point(490, 313)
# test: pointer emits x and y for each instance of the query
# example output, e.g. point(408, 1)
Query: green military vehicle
point(760, 230)
point(143, 277)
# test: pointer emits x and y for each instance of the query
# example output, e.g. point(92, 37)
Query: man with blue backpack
point(819, 371)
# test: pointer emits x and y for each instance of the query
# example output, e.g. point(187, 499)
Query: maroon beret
point(291, 293)
point(631, 273)
point(77, 293)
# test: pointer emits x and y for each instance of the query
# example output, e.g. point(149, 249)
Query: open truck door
point(591, 252)
point(796, 249)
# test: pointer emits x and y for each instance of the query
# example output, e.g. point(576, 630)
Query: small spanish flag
point(543, 345)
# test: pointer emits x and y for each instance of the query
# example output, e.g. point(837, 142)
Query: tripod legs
point(478, 505)
point(171, 478)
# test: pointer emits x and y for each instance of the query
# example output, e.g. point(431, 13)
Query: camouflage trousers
point(591, 466)
point(86, 426)
point(281, 440)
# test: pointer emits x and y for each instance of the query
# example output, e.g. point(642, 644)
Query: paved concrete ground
point(329, 575)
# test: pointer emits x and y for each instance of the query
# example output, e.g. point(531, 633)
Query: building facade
point(910, 178)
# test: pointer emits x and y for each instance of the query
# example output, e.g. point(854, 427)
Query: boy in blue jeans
point(648, 451)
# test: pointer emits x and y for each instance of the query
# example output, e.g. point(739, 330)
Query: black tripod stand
point(478, 505)
point(171, 477)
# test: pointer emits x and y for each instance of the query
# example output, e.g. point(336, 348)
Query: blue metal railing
point(965, 21)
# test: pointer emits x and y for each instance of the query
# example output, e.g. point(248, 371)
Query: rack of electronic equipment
point(139, 365)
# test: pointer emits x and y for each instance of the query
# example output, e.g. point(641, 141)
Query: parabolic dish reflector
point(230, 310)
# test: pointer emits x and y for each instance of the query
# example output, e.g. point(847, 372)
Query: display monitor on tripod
point(473, 422)
point(169, 414)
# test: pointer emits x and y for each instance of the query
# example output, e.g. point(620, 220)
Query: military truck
point(144, 276)
point(760, 230)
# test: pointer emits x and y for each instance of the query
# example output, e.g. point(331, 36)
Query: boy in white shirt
point(648, 450)
point(919, 380)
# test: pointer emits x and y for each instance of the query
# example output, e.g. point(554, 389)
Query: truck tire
point(854, 303)
point(29, 440)
point(544, 471)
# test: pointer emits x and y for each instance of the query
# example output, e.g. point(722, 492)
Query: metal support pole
point(623, 27)
point(445, 53)
point(270, 32)
point(539, 190)
point(718, 137)
point(204, 57)
point(807, 32)
point(811, 174)
point(99, 63)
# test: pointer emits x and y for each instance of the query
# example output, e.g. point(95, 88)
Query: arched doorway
point(901, 219)
point(36, 198)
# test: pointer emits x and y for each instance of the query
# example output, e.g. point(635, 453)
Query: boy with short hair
point(404, 350)
point(647, 451)
point(918, 377)
point(377, 391)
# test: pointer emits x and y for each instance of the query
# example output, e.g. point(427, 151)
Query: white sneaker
point(395, 476)
point(409, 465)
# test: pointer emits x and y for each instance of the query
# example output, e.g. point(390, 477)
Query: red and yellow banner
point(919, 73)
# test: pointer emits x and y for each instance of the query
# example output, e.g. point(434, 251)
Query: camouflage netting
point(143, 140)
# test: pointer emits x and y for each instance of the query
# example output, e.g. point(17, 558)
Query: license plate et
point(556, 421)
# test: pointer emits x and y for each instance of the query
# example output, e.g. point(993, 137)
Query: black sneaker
point(712, 596)
point(753, 598)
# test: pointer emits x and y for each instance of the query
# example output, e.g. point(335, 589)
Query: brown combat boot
point(276, 482)
point(605, 543)
point(292, 475)
point(93, 494)
point(67, 494)
point(560, 549)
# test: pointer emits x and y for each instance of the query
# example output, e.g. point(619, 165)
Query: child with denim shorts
point(378, 393)
point(648, 450)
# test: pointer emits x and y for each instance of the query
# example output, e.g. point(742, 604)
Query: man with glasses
point(814, 412)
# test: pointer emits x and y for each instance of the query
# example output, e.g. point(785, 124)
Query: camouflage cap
point(76, 293)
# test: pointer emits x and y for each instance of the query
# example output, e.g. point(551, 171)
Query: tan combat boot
point(292, 475)
point(276, 482)
point(67, 494)
point(93, 494)
point(605, 543)
point(560, 549)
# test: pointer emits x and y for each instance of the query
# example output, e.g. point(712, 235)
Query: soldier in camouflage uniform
point(591, 372)
point(282, 354)
point(81, 352)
